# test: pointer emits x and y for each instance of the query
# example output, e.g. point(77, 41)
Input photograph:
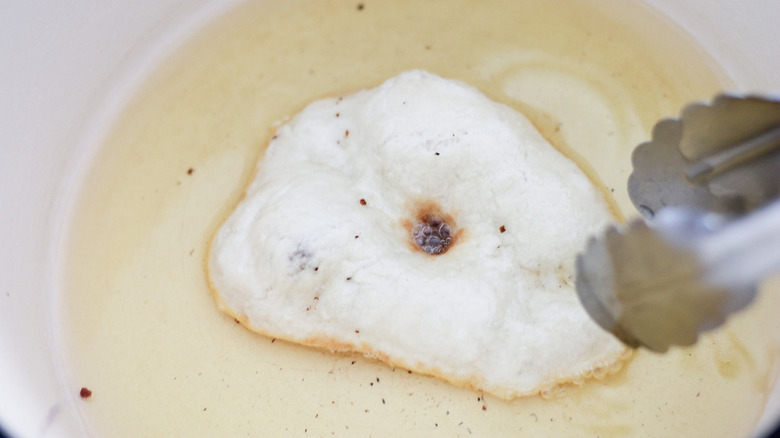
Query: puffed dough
point(334, 243)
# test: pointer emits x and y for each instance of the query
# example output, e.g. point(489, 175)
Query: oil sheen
point(139, 326)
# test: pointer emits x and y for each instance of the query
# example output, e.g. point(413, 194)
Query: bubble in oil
point(432, 234)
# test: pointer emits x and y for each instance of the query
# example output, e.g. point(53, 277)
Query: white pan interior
point(69, 71)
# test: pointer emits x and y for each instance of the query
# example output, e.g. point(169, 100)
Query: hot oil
point(141, 330)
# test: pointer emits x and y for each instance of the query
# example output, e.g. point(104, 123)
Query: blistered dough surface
point(324, 249)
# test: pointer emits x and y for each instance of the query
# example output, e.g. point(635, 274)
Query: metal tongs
point(707, 185)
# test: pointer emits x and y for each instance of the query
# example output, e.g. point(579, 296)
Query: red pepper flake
point(273, 340)
point(409, 371)
point(236, 320)
point(484, 408)
point(349, 278)
point(190, 171)
point(502, 229)
point(346, 133)
point(316, 268)
point(362, 201)
point(356, 237)
point(85, 393)
point(353, 362)
point(357, 331)
point(383, 401)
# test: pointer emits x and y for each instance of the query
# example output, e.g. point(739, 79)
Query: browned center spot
point(432, 231)
point(432, 234)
